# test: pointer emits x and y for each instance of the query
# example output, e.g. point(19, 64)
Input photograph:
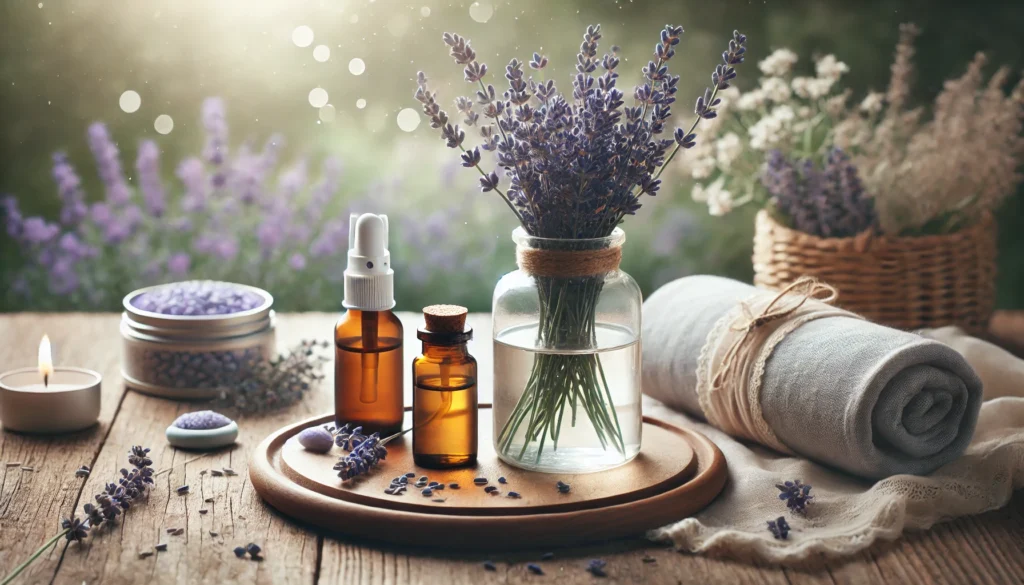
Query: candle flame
point(45, 360)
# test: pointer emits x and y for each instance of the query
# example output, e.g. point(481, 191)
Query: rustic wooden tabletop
point(983, 549)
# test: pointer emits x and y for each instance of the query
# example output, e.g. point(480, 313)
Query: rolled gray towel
point(842, 391)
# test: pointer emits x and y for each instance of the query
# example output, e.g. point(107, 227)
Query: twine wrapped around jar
point(568, 263)
point(903, 282)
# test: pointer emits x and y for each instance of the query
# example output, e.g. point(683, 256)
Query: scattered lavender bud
point(27, 468)
point(13, 464)
point(171, 530)
point(161, 547)
point(82, 471)
point(316, 439)
point(547, 556)
point(488, 565)
point(410, 475)
point(439, 486)
point(203, 472)
point(253, 549)
point(209, 500)
point(433, 483)
point(203, 511)
point(454, 486)
point(502, 480)
point(438, 500)
point(202, 420)
point(796, 495)
point(424, 478)
point(146, 553)
point(178, 532)
point(649, 559)
point(403, 480)
point(229, 471)
point(421, 484)
point(535, 569)
point(427, 492)
point(514, 495)
point(480, 481)
point(596, 567)
point(239, 551)
point(490, 489)
point(216, 473)
point(563, 487)
point(214, 533)
point(779, 528)
point(182, 490)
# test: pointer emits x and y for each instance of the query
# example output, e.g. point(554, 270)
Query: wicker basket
point(903, 282)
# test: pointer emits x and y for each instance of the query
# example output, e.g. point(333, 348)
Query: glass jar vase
point(567, 356)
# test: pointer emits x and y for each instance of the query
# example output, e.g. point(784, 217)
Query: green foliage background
point(63, 64)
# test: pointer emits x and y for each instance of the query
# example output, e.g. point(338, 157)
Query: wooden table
point(983, 549)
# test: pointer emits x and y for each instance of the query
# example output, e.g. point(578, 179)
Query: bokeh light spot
point(318, 97)
point(356, 66)
point(408, 119)
point(163, 124)
point(354, 18)
point(327, 114)
point(302, 36)
point(398, 25)
point(130, 101)
point(481, 11)
point(322, 53)
point(425, 11)
point(360, 103)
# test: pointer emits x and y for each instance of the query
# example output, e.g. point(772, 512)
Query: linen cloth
point(848, 513)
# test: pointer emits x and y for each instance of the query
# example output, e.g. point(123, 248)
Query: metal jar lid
point(152, 326)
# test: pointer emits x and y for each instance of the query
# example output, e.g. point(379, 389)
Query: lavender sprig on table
point(577, 165)
point(779, 528)
point(115, 499)
point(267, 385)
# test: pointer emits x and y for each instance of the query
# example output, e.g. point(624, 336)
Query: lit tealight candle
point(50, 400)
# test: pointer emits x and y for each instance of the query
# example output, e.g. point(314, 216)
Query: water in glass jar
point(579, 448)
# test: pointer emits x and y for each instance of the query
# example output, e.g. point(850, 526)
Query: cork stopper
point(445, 318)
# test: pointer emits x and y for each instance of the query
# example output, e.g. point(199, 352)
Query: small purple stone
point(202, 420)
point(316, 439)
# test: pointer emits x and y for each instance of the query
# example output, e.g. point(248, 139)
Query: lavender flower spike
point(105, 151)
point(69, 186)
point(148, 166)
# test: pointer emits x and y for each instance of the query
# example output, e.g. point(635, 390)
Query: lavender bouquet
point(577, 165)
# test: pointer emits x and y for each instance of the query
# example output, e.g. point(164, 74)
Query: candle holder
point(69, 402)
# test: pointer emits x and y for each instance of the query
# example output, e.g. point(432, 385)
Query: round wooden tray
point(677, 473)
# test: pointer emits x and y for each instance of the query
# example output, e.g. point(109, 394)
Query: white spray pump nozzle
point(369, 279)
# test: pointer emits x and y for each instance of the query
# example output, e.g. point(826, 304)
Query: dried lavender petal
point(161, 547)
point(513, 495)
point(201, 420)
point(454, 486)
point(480, 481)
point(253, 549)
point(490, 489)
point(239, 551)
point(216, 472)
point(197, 298)
point(502, 480)
point(489, 565)
point(229, 471)
point(535, 569)
point(182, 490)
point(145, 553)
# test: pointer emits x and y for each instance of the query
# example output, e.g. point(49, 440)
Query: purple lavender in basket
point(201, 420)
point(198, 297)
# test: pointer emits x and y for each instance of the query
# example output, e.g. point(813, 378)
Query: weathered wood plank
point(33, 502)
point(236, 514)
point(985, 549)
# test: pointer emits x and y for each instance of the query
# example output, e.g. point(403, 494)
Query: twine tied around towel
point(568, 263)
point(733, 358)
point(803, 289)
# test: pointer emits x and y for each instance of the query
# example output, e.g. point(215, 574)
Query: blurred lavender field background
point(153, 141)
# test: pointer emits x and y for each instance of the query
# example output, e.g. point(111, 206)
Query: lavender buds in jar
point(182, 340)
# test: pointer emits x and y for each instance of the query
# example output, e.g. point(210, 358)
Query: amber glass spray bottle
point(444, 402)
point(368, 361)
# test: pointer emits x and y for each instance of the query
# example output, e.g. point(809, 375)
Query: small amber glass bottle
point(368, 371)
point(444, 402)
